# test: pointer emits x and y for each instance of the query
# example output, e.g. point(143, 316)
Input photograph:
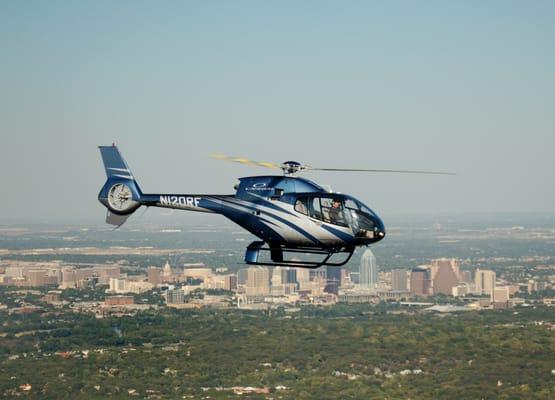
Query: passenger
point(301, 207)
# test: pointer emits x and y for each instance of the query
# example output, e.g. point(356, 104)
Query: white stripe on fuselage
point(287, 213)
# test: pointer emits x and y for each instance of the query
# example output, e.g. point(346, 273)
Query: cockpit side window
point(332, 211)
point(301, 205)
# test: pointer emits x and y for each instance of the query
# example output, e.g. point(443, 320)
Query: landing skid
point(276, 255)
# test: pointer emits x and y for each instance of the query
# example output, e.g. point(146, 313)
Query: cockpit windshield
point(361, 216)
point(340, 210)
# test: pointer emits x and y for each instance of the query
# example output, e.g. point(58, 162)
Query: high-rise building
point(242, 275)
point(445, 275)
point(399, 279)
point(288, 275)
point(117, 285)
point(452, 263)
point(333, 279)
point(154, 275)
point(258, 281)
point(303, 277)
point(277, 277)
point(368, 270)
point(484, 280)
point(230, 282)
point(466, 277)
point(37, 277)
point(420, 282)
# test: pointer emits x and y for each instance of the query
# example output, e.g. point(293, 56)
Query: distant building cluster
point(35, 274)
point(259, 287)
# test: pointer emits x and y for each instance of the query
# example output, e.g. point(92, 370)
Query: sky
point(466, 86)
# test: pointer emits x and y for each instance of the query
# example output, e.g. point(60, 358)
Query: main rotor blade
point(398, 171)
point(246, 161)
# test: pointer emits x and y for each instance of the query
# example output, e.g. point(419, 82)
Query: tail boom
point(122, 196)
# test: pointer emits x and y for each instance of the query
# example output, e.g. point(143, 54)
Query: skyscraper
point(303, 277)
point(484, 280)
point(230, 282)
point(420, 282)
point(399, 279)
point(445, 275)
point(242, 275)
point(368, 270)
point(283, 275)
point(277, 276)
point(289, 275)
point(258, 281)
point(333, 280)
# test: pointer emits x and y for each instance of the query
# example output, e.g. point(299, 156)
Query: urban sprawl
point(263, 288)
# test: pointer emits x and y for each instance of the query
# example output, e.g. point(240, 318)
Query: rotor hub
point(291, 167)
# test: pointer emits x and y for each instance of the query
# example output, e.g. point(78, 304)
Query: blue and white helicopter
point(288, 213)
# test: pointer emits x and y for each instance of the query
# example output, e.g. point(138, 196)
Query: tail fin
point(121, 194)
point(114, 164)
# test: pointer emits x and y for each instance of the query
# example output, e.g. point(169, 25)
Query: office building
point(242, 275)
point(420, 282)
point(484, 281)
point(500, 294)
point(258, 281)
point(368, 270)
point(230, 282)
point(175, 296)
point(444, 275)
point(399, 279)
point(333, 279)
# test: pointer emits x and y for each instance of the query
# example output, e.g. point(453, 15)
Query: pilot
point(335, 212)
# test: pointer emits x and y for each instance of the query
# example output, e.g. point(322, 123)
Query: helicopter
point(290, 215)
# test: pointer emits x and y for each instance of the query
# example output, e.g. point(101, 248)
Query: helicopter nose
point(380, 229)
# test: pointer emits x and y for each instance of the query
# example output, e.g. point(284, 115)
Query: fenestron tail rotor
point(293, 167)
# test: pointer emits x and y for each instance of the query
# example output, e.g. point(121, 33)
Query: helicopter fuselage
point(288, 213)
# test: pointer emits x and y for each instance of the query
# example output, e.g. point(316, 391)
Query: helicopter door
point(315, 209)
point(351, 211)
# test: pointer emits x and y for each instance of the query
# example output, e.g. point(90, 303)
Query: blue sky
point(460, 86)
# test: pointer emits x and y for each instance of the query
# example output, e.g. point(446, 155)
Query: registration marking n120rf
point(180, 201)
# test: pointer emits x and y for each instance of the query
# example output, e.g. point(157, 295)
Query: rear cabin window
point(301, 206)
